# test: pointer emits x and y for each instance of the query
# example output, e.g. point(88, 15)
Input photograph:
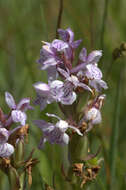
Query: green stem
point(13, 177)
point(59, 17)
point(104, 23)
point(115, 130)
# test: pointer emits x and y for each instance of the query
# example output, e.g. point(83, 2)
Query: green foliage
point(24, 24)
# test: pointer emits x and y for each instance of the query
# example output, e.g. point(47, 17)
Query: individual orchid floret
point(92, 112)
point(55, 133)
point(88, 68)
point(18, 111)
point(98, 85)
point(91, 59)
point(43, 94)
point(72, 81)
point(49, 54)
point(4, 134)
point(93, 115)
point(6, 150)
point(68, 36)
point(93, 72)
point(54, 91)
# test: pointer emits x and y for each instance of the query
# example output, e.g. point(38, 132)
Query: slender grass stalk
point(104, 23)
point(44, 24)
point(115, 131)
point(92, 4)
point(59, 17)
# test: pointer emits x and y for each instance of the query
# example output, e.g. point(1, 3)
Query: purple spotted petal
point(4, 134)
point(49, 62)
point(63, 72)
point(52, 73)
point(6, 150)
point(56, 90)
point(24, 104)
point(59, 45)
point(93, 72)
point(47, 128)
point(83, 55)
point(78, 68)
point(41, 88)
point(98, 84)
point(10, 100)
point(75, 44)
point(63, 34)
point(69, 99)
point(41, 124)
point(94, 56)
point(18, 116)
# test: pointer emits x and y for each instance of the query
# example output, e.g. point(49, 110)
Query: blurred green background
point(102, 25)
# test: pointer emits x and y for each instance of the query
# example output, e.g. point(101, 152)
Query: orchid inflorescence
point(66, 80)
point(17, 115)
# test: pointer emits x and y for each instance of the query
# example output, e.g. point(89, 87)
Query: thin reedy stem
point(115, 131)
point(104, 23)
point(92, 3)
point(59, 17)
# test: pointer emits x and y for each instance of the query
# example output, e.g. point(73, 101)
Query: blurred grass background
point(102, 25)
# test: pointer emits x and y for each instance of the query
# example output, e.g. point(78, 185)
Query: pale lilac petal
point(75, 44)
point(71, 35)
point(4, 134)
point(49, 62)
point(65, 138)
point(18, 116)
point(78, 68)
point(98, 119)
point(6, 150)
point(85, 87)
point(70, 99)
point(41, 88)
point(93, 72)
point(42, 101)
point(83, 55)
point(10, 100)
point(59, 45)
point(62, 125)
point(93, 115)
point(68, 52)
point(63, 34)
point(56, 90)
point(94, 56)
point(43, 125)
point(63, 72)
point(52, 73)
point(24, 104)
point(74, 80)
point(53, 115)
point(98, 84)
point(13, 130)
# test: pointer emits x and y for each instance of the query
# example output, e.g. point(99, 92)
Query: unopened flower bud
point(4, 134)
point(6, 150)
point(93, 115)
